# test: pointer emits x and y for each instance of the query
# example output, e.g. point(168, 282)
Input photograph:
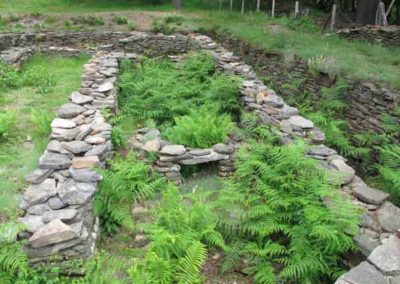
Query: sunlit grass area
point(33, 106)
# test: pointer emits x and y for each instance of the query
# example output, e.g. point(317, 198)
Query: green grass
point(359, 60)
point(73, 6)
point(17, 157)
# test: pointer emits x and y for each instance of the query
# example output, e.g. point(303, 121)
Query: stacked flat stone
point(170, 157)
point(135, 41)
point(388, 36)
point(58, 202)
point(381, 219)
point(16, 56)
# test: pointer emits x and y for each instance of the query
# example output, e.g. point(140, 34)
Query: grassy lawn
point(18, 156)
point(358, 59)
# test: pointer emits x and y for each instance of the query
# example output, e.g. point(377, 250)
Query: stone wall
point(290, 75)
point(378, 235)
point(388, 36)
point(171, 157)
point(139, 42)
point(58, 202)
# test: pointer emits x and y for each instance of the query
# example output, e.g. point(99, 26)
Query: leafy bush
point(131, 25)
point(42, 123)
point(202, 128)
point(125, 183)
point(389, 168)
point(281, 214)
point(167, 25)
point(7, 121)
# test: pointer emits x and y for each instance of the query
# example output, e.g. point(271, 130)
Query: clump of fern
point(178, 236)
point(280, 213)
point(202, 128)
point(126, 182)
point(165, 90)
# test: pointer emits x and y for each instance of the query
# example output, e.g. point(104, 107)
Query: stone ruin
point(388, 36)
point(171, 157)
point(58, 203)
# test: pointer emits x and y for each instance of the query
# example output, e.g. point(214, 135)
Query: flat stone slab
point(346, 173)
point(62, 123)
point(80, 99)
point(300, 123)
point(32, 222)
point(76, 193)
point(85, 162)
point(389, 217)
point(85, 175)
point(223, 148)
point(39, 193)
point(321, 150)
point(54, 161)
point(96, 140)
point(106, 87)
point(173, 150)
point(64, 215)
point(370, 195)
point(53, 233)
point(199, 152)
point(63, 134)
point(38, 176)
point(387, 256)
point(364, 273)
point(70, 110)
point(367, 241)
point(77, 147)
point(194, 160)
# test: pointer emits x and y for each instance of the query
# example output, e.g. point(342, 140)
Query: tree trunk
point(296, 9)
point(177, 4)
point(258, 5)
point(242, 11)
point(366, 11)
point(273, 9)
point(333, 17)
point(231, 5)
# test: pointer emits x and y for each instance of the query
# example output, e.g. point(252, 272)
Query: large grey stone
point(321, 150)
point(367, 241)
point(223, 148)
point(76, 147)
point(63, 134)
point(274, 101)
point(199, 152)
point(63, 123)
point(389, 217)
point(54, 161)
point(64, 215)
point(99, 150)
point(56, 203)
point(364, 273)
point(32, 222)
point(38, 209)
point(38, 176)
point(368, 194)
point(173, 150)
point(39, 193)
point(298, 122)
point(70, 110)
point(106, 87)
point(387, 256)
point(194, 160)
point(84, 175)
point(346, 173)
point(85, 162)
point(83, 131)
point(53, 233)
point(80, 99)
point(76, 193)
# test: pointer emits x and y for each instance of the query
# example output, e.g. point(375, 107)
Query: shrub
point(7, 121)
point(131, 25)
point(202, 128)
point(281, 214)
point(42, 123)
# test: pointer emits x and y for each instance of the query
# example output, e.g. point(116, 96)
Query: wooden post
point(296, 9)
point(333, 17)
point(258, 5)
point(220, 5)
point(380, 18)
point(231, 5)
point(273, 9)
point(242, 11)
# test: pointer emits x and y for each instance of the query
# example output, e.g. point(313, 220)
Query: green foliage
point(202, 128)
point(167, 25)
point(131, 25)
point(153, 85)
point(91, 20)
point(279, 211)
point(177, 250)
point(7, 121)
point(389, 168)
point(120, 20)
point(125, 183)
point(42, 123)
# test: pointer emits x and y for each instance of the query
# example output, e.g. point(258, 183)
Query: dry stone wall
point(170, 157)
point(388, 36)
point(378, 238)
point(58, 202)
point(367, 101)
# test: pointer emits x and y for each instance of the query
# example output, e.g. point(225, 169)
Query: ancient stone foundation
point(388, 36)
point(58, 202)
